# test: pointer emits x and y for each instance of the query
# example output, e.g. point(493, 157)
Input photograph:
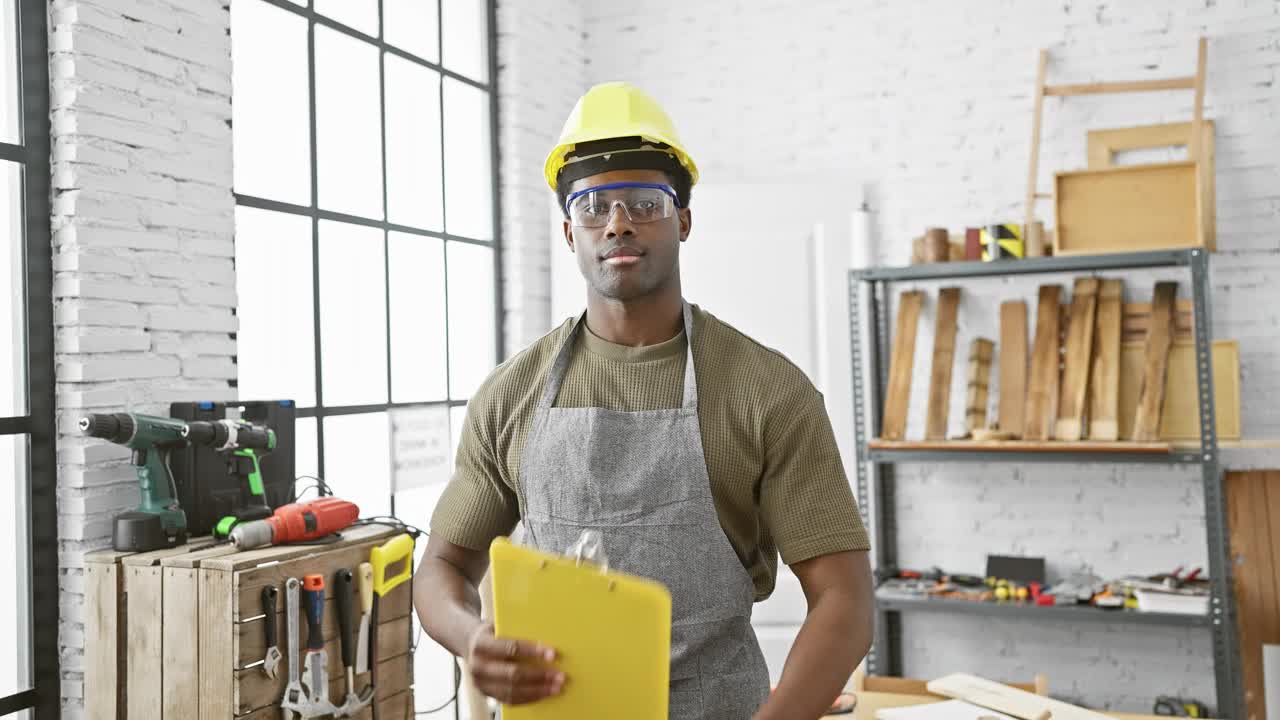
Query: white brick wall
point(144, 283)
point(542, 71)
point(930, 103)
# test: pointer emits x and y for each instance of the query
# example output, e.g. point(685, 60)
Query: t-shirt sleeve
point(477, 505)
point(806, 503)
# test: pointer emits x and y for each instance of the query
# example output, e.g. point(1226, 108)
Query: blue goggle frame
point(612, 186)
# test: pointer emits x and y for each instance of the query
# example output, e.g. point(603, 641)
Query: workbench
point(870, 702)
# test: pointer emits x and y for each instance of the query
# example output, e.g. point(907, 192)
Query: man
point(698, 453)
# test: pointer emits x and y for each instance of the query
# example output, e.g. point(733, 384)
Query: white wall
point(142, 220)
point(931, 103)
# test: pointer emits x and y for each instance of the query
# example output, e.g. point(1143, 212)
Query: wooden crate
point(230, 626)
point(117, 629)
point(1128, 209)
point(181, 635)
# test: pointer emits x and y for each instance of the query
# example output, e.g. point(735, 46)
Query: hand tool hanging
point(272, 658)
point(395, 551)
point(364, 580)
point(343, 590)
point(315, 668)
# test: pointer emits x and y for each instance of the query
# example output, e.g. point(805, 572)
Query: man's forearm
point(833, 640)
point(447, 603)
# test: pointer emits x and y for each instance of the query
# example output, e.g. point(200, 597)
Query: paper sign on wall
point(421, 451)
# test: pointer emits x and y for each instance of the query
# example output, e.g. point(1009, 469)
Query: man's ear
point(568, 235)
point(686, 223)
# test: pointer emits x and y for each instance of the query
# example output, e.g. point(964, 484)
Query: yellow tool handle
point(364, 581)
point(395, 550)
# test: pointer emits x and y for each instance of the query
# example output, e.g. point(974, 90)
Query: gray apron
point(640, 479)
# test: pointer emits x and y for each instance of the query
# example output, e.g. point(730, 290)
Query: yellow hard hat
point(616, 110)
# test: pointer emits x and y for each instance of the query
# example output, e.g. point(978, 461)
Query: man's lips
point(622, 256)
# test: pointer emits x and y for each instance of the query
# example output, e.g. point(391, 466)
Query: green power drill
point(159, 521)
point(242, 443)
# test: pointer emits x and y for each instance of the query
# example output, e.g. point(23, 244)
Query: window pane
point(276, 340)
point(357, 460)
point(472, 351)
point(13, 384)
point(270, 120)
point(468, 179)
point(413, 145)
point(359, 15)
point(15, 576)
point(348, 127)
point(307, 459)
point(353, 315)
point(418, 354)
point(466, 41)
point(10, 85)
point(412, 26)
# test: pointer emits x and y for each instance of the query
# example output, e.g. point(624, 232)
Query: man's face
point(626, 260)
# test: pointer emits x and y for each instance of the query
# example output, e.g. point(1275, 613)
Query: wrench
point(272, 658)
point(295, 700)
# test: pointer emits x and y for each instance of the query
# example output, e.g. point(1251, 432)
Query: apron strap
point(560, 368)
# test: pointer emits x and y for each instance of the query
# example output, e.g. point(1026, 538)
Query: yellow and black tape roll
point(1002, 241)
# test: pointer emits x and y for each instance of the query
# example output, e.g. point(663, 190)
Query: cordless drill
point(242, 444)
point(159, 521)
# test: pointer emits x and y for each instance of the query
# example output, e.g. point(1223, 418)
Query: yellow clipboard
point(612, 632)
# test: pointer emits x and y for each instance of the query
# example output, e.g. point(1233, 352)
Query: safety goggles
point(642, 202)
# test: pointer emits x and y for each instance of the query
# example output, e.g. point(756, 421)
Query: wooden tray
point(1128, 209)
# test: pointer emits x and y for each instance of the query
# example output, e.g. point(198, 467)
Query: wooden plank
point(1177, 422)
point(257, 691)
point(144, 629)
point(1180, 413)
point(251, 643)
point(1042, 385)
point(281, 553)
point(1075, 372)
point(1129, 86)
point(1253, 513)
point(1146, 423)
point(181, 692)
point(1013, 367)
point(1135, 320)
point(1104, 381)
point(105, 622)
point(217, 644)
point(1083, 446)
point(1009, 700)
point(944, 359)
point(894, 422)
point(975, 412)
point(1033, 171)
point(1127, 209)
point(322, 560)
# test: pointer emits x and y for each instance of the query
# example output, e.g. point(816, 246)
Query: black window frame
point(44, 697)
point(319, 410)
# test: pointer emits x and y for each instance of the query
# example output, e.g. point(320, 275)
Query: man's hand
point(511, 671)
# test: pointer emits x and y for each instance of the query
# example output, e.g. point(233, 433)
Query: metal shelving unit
point(875, 467)
point(1072, 613)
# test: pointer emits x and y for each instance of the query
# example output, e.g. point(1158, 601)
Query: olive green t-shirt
point(775, 471)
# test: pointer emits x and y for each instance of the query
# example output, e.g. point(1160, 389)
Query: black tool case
point(205, 489)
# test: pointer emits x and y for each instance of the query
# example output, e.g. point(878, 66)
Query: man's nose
point(619, 222)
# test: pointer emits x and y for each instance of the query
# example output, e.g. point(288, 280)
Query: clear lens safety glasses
point(642, 202)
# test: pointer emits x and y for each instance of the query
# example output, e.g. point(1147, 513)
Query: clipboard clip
point(590, 547)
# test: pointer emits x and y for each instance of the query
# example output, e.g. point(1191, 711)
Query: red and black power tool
point(296, 522)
